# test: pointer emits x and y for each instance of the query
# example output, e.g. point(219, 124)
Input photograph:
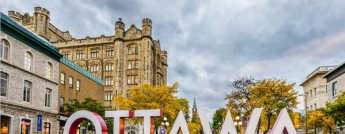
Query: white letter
point(253, 121)
point(119, 122)
point(148, 122)
point(180, 123)
point(283, 124)
point(204, 121)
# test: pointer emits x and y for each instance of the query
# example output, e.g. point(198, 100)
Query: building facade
point(75, 83)
point(128, 58)
point(315, 88)
point(29, 80)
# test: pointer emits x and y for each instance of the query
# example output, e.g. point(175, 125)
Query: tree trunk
point(258, 127)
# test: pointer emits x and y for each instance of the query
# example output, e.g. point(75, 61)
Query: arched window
point(49, 70)
point(4, 49)
point(28, 61)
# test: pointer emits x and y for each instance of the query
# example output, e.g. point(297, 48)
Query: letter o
point(74, 120)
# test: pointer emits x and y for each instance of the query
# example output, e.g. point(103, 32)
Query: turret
point(119, 29)
point(15, 15)
point(41, 16)
point(147, 27)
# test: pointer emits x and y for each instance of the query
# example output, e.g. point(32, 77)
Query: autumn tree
point(296, 120)
point(319, 121)
point(270, 94)
point(150, 97)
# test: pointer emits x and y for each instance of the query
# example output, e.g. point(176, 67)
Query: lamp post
point(164, 124)
point(237, 123)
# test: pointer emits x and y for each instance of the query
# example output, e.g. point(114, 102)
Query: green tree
point(91, 105)
point(218, 119)
point(336, 110)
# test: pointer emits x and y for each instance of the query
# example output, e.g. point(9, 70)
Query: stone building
point(29, 80)
point(128, 58)
point(76, 83)
point(314, 88)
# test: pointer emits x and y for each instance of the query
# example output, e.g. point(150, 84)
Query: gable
point(133, 32)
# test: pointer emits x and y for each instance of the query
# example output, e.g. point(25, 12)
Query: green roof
point(81, 70)
point(21, 33)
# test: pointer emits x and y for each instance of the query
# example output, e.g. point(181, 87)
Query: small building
point(29, 80)
point(314, 88)
point(76, 83)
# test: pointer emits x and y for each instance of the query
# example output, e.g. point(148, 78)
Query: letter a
point(283, 124)
point(180, 124)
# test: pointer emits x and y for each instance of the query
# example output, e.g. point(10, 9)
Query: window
point(314, 92)
point(136, 50)
point(311, 107)
point(311, 93)
point(62, 101)
point(27, 60)
point(109, 81)
point(80, 54)
point(70, 101)
point(326, 89)
point(46, 129)
point(27, 91)
point(109, 52)
point(70, 82)
point(135, 79)
point(49, 70)
point(4, 82)
point(315, 106)
point(334, 89)
point(129, 65)
point(109, 67)
point(78, 85)
point(66, 55)
point(307, 95)
point(94, 68)
point(47, 97)
point(108, 95)
point(128, 79)
point(136, 64)
point(25, 126)
point(129, 50)
point(4, 49)
point(94, 53)
point(62, 77)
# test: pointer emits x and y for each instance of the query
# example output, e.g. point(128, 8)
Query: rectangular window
point(94, 53)
point(78, 85)
point(94, 68)
point(335, 89)
point(80, 54)
point(326, 89)
point(46, 129)
point(62, 101)
point(70, 101)
point(109, 67)
point(4, 83)
point(27, 91)
point(128, 79)
point(129, 65)
point(136, 64)
point(109, 52)
point(25, 126)
point(129, 50)
point(70, 82)
point(315, 106)
point(62, 77)
point(136, 50)
point(66, 55)
point(135, 79)
point(109, 81)
point(315, 92)
point(47, 97)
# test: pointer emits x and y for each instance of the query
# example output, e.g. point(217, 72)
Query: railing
point(319, 69)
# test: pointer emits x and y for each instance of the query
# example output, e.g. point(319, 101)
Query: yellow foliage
point(296, 117)
point(319, 121)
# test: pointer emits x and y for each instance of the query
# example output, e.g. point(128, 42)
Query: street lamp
point(237, 123)
point(165, 122)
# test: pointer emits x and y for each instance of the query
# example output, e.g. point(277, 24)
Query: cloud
point(214, 41)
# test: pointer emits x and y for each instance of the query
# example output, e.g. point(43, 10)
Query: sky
point(212, 42)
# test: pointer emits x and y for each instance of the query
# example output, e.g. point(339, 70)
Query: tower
point(119, 29)
point(147, 27)
point(195, 109)
point(41, 21)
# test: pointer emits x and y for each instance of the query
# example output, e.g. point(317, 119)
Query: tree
point(319, 121)
point(296, 120)
point(336, 110)
point(218, 118)
point(270, 94)
point(149, 97)
point(91, 105)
